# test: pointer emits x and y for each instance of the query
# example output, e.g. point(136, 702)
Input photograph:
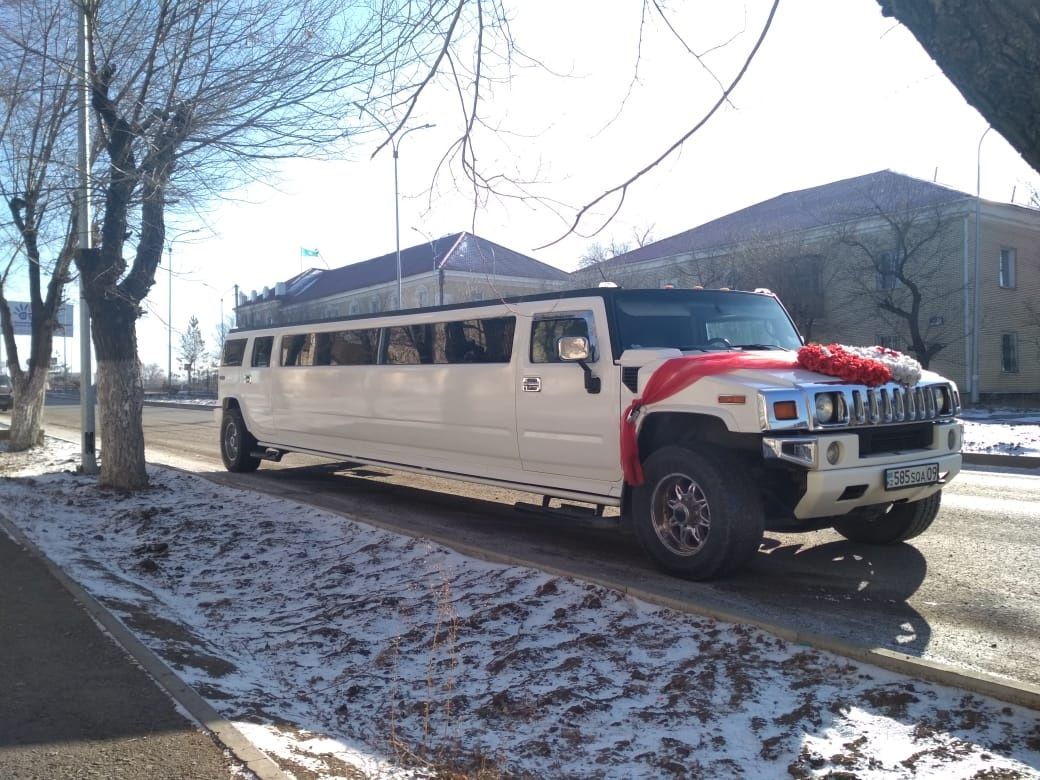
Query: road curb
point(226, 734)
point(1003, 461)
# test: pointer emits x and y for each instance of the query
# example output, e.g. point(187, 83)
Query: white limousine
point(688, 409)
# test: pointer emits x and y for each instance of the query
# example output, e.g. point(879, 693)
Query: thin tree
point(37, 150)
point(193, 347)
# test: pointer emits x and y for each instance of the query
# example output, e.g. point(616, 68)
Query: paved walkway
point(72, 703)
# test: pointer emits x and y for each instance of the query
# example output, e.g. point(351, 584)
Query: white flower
point(905, 370)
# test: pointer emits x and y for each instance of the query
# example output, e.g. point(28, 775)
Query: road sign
point(21, 317)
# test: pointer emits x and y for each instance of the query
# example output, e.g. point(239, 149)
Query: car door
point(565, 430)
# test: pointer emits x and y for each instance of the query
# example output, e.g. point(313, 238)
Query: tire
point(901, 522)
point(236, 443)
point(694, 515)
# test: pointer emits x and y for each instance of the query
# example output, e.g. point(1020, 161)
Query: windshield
point(703, 320)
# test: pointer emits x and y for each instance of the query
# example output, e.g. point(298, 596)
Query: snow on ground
point(346, 651)
point(1002, 431)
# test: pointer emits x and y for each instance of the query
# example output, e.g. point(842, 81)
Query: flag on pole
point(309, 252)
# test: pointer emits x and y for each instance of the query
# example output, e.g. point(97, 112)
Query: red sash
point(671, 377)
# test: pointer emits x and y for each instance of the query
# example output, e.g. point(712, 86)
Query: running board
point(586, 515)
point(270, 453)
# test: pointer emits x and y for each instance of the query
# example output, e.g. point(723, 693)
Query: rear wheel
point(237, 443)
point(901, 522)
point(694, 514)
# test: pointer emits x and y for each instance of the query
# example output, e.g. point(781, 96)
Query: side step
point(270, 453)
point(589, 516)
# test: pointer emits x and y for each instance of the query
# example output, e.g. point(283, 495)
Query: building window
point(1007, 267)
point(1009, 353)
point(881, 340)
point(422, 299)
point(355, 307)
point(887, 270)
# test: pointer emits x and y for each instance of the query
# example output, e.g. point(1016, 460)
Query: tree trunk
point(990, 50)
point(29, 392)
point(120, 400)
point(29, 389)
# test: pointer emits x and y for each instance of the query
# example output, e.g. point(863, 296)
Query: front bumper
point(855, 481)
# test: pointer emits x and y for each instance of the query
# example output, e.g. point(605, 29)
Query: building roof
point(463, 252)
point(827, 204)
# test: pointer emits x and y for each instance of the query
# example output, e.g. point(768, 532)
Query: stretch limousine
point(687, 409)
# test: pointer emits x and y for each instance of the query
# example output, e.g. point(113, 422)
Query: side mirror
point(573, 349)
point(576, 349)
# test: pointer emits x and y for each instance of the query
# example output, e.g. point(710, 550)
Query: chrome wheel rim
point(680, 515)
point(231, 441)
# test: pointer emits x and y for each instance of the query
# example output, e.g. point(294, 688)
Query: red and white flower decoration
point(871, 366)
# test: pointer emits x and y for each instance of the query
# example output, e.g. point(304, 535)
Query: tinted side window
point(545, 333)
point(353, 347)
point(479, 341)
point(262, 351)
point(298, 350)
point(410, 344)
point(234, 352)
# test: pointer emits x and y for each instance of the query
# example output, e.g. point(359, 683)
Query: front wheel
point(237, 443)
point(901, 522)
point(694, 514)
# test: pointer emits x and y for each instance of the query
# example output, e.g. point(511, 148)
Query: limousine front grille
point(890, 404)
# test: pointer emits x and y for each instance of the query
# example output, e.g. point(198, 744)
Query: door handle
point(531, 384)
point(247, 379)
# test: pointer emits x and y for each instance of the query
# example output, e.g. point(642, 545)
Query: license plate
point(910, 476)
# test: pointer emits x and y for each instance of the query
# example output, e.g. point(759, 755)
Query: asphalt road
point(966, 593)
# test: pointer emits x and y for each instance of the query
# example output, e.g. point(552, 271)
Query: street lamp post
point(396, 144)
point(169, 318)
point(976, 319)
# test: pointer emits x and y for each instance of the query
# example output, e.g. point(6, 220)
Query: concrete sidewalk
point(72, 703)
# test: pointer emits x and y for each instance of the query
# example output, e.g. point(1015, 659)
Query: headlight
point(826, 409)
point(940, 400)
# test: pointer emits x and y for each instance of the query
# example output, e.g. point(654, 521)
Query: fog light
point(833, 452)
point(951, 439)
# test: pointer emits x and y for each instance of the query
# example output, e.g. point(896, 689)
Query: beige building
point(882, 258)
point(453, 269)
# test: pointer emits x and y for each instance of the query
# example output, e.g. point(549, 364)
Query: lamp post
point(395, 145)
point(88, 451)
point(169, 318)
point(976, 319)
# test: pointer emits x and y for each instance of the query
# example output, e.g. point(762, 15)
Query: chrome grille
point(889, 404)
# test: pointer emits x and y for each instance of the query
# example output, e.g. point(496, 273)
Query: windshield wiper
point(760, 346)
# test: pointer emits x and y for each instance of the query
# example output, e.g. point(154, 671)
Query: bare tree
point(795, 269)
point(37, 152)
point(152, 376)
point(191, 97)
point(220, 336)
point(193, 347)
point(899, 272)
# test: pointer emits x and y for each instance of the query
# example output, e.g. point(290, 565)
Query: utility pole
point(169, 317)
point(88, 457)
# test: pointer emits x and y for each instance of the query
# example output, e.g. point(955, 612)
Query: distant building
point(456, 268)
point(877, 259)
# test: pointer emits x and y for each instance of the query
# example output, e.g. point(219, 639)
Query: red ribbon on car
point(672, 376)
